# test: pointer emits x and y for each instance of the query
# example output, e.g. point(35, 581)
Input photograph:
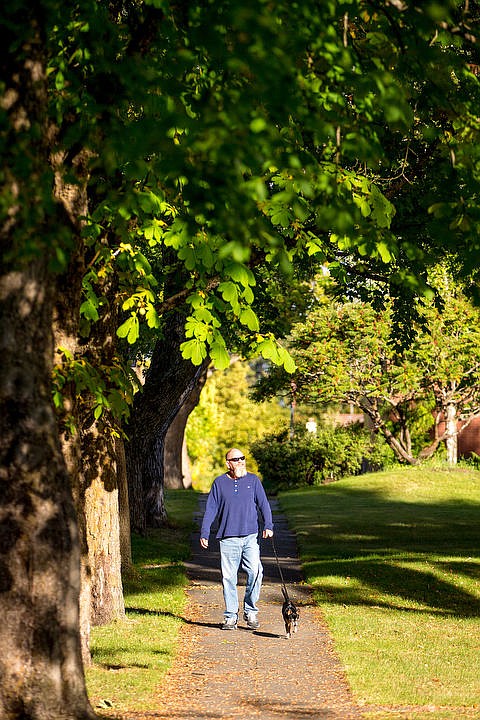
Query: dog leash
point(284, 587)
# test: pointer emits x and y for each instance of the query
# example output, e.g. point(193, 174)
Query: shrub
point(314, 459)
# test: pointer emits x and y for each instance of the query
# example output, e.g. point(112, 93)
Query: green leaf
point(287, 360)
point(384, 252)
point(248, 295)
point(57, 399)
point(258, 124)
point(203, 314)
point(230, 294)
point(205, 255)
point(130, 329)
point(59, 80)
point(248, 318)
point(188, 255)
point(382, 209)
point(152, 317)
point(365, 208)
point(219, 355)
point(194, 350)
point(89, 310)
point(240, 273)
point(268, 349)
point(281, 217)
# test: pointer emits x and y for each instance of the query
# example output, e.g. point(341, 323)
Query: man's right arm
point(209, 516)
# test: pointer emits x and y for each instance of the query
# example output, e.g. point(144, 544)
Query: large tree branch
point(177, 300)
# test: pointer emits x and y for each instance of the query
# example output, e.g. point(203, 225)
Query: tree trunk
point(73, 199)
point(94, 478)
point(40, 650)
point(71, 451)
point(169, 381)
point(102, 525)
point(176, 462)
point(92, 464)
point(186, 466)
point(173, 469)
point(40, 653)
point(451, 439)
point(123, 507)
point(370, 408)
point(100, 477)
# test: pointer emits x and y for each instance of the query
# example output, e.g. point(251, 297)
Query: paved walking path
point(220, 674)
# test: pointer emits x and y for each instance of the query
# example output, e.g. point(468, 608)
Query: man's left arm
point(265, 509)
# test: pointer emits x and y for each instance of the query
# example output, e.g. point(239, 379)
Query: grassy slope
point(394, 560)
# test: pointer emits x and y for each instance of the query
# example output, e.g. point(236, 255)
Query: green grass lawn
point(394, 561)
point(131, 657)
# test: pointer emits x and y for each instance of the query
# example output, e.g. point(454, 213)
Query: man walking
point(236, 498)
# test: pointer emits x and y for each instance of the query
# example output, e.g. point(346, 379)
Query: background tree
point(177, 470)
point(448, 353)
point(348, 353)
point(225, 417)
point(327, 455)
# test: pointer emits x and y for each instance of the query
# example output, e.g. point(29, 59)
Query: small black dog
point(290, 614)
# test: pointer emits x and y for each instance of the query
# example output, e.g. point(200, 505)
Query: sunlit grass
point(393, 558)
point(131, 657)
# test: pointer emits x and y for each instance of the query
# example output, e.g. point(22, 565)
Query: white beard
point(239, 472)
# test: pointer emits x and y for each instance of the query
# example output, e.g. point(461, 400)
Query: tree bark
point(169, 381)
point(40, 652)
point(73, 200)
point(173, 461)
point(71, 450)
point(177, 473)
point(370, 408)
point(95, 488)
point(451, 433)
point(123, 507)
point(186, 465)
point(102, 525)
point(100, 477)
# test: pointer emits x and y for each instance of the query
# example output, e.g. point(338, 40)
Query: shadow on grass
point(160, 613)
point(408, 585)
point(114, 664)
point(389, 546)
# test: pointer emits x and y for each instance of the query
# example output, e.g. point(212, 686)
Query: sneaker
point(252, 622)
point(230, 623)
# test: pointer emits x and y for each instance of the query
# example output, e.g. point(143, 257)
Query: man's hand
point(267, 533)
point(204, 543)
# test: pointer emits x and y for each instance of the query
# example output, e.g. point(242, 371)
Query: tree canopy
point(351, 141)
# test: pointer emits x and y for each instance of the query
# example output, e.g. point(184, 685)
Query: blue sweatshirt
point(235, 502)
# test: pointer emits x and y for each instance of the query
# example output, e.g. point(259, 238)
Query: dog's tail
point(285, 593)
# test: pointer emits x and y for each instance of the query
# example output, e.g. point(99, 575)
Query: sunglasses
point(242, 457)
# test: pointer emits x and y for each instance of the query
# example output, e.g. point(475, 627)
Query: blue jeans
point(241, 553)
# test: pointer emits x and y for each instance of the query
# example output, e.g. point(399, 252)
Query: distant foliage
point(315, 459)
point(227, 417)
